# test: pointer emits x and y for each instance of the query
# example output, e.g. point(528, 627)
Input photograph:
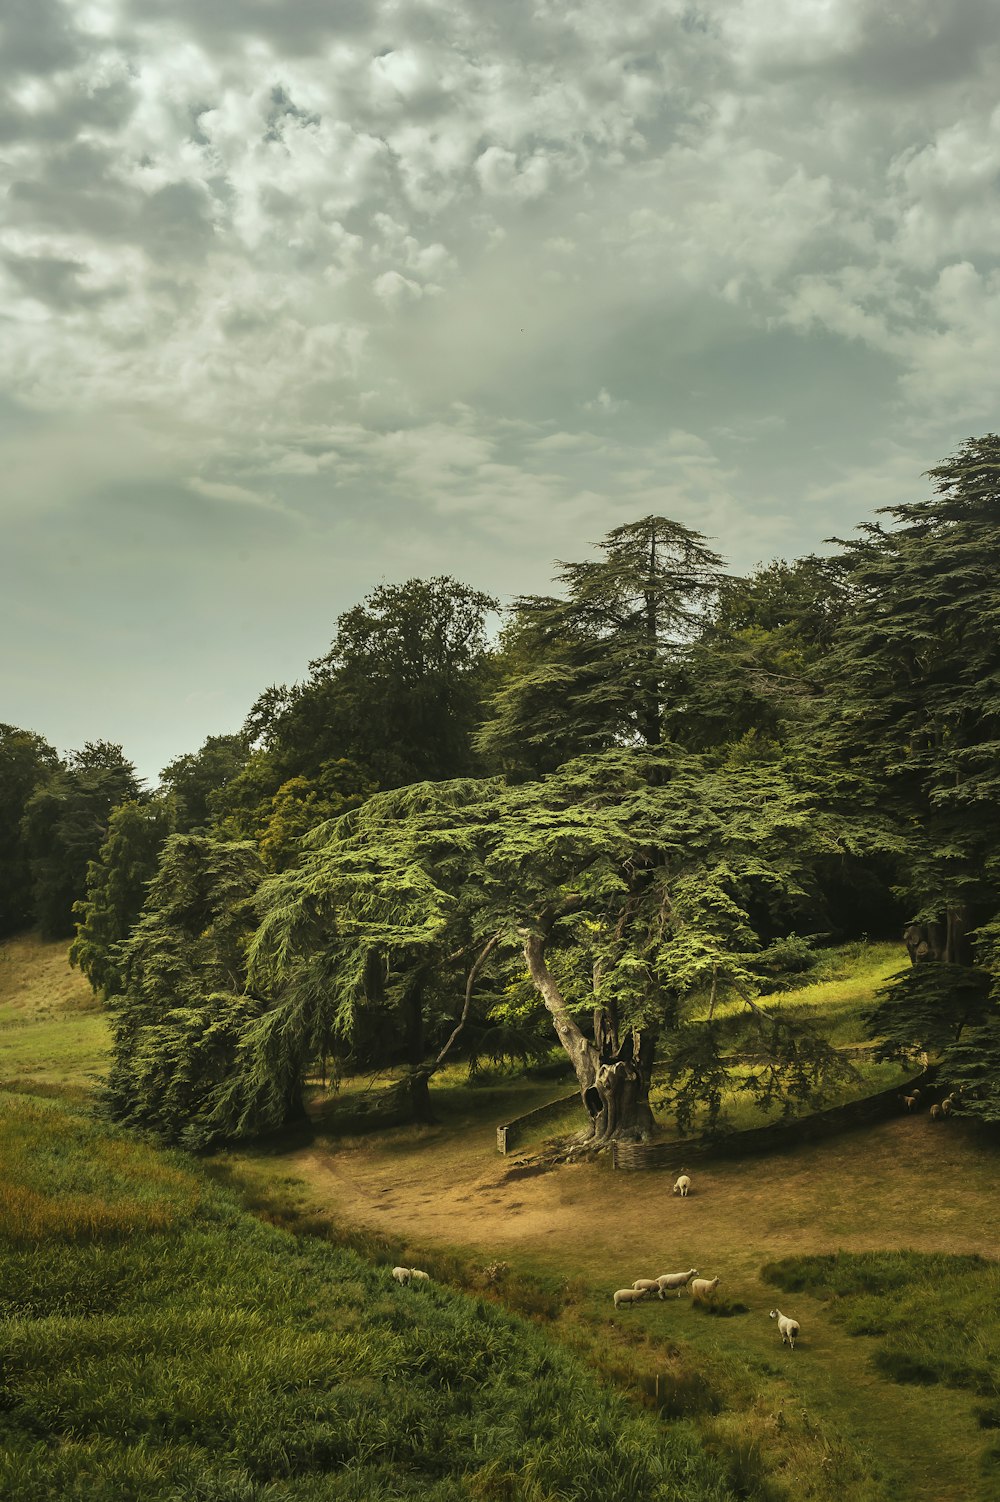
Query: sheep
point(936, 1112)
point(703, 1288)
point(647, 1285)
point(682, 1185)
point(911, 1102)
point(629, 1296)
point(675, 1280)
point(789, 1327)
point(417, 1276)
point(947, 1106)
point(401, 1275)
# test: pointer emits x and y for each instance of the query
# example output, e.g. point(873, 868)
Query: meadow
point(160, 1340)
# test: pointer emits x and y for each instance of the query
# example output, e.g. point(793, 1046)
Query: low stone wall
point(509, 1136)
point(766, 1139)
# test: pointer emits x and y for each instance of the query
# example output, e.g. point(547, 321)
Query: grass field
point(156, 1341)
point(54, 1036)
point(886, 1397)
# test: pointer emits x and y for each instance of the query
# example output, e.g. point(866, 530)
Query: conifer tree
point(184, 1012)
point(913, 703)
point(116, 888)
point(626, 883)
point(600, 666)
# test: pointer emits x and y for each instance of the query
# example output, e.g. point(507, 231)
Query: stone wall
point(766, 1139)
point(509, 1136)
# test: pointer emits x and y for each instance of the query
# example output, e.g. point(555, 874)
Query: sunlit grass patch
point(937, 1316)
point(62, 1176)
point(54, 1034)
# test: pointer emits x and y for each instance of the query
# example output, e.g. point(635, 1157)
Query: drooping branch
point(470, 982)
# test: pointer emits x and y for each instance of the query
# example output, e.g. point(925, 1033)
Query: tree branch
point(470, 982)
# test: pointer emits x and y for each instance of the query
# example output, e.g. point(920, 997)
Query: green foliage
point(928, 1006)
point(183, 1015)
point(26, 760)
point(195, 781)
point(66, 822)
point(215, 1356)
point(116, 889)
point(597, 668)
point(399, 692)
point(278, 820)
point(753, 676)
point(911, 679)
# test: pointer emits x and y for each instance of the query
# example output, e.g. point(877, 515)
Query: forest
point(641, 800)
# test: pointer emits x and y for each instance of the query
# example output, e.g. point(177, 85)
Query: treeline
point(659, 787)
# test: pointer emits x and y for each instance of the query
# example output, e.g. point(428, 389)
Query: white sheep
point(682, 1184)
point(629, 1296)
point(647, 1285)
point(416, 1276)
point(911, 1102)
point(675, 1280)
point(401, 1274)
point(789, 1327)
point(936, 1112)
point(703, 1288)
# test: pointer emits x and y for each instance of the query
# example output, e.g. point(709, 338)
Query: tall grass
point(191, 1351)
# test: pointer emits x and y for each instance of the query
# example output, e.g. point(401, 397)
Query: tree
point(116, 888)
point(184, 1013)
point(399, 692)
point(64, 825)
point(912, 703)
point(754, 671)
point(247, 808)
point(26, 761)
point(627, 883)
point(195, 780)
point(600, 667)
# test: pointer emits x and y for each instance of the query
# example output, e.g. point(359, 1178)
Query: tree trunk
point(949, 941)
point(420, 1097)
point(614, 1081)
point(420, 1073)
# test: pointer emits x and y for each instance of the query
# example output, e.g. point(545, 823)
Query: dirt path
point(909, 1183)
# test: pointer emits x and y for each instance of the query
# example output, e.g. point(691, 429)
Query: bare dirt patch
point(907, 1183)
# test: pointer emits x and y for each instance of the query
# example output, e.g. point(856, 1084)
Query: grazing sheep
point(417, 1276)
point(629, 1296)
point(789, 1327)
point(947, 1106)
point(936, 1112)
point(682, 1185)
point(703, 1288)
point(911, 1102)
point(401, 1274)
point(675, 1280)
point(647, 1285)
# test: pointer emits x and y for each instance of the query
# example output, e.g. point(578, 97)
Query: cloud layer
point(300, 296)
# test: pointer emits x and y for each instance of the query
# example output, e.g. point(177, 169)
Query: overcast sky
point(300, 296)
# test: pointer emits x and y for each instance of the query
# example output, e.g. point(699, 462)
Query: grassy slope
point(157, 1341)
point(54, 1036)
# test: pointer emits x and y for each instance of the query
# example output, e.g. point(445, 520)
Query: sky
point(299, 297)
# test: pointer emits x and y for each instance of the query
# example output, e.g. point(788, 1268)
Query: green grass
point(836, 1424)
point(831, 995)
point(197, 1352)
point(54, 1035)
